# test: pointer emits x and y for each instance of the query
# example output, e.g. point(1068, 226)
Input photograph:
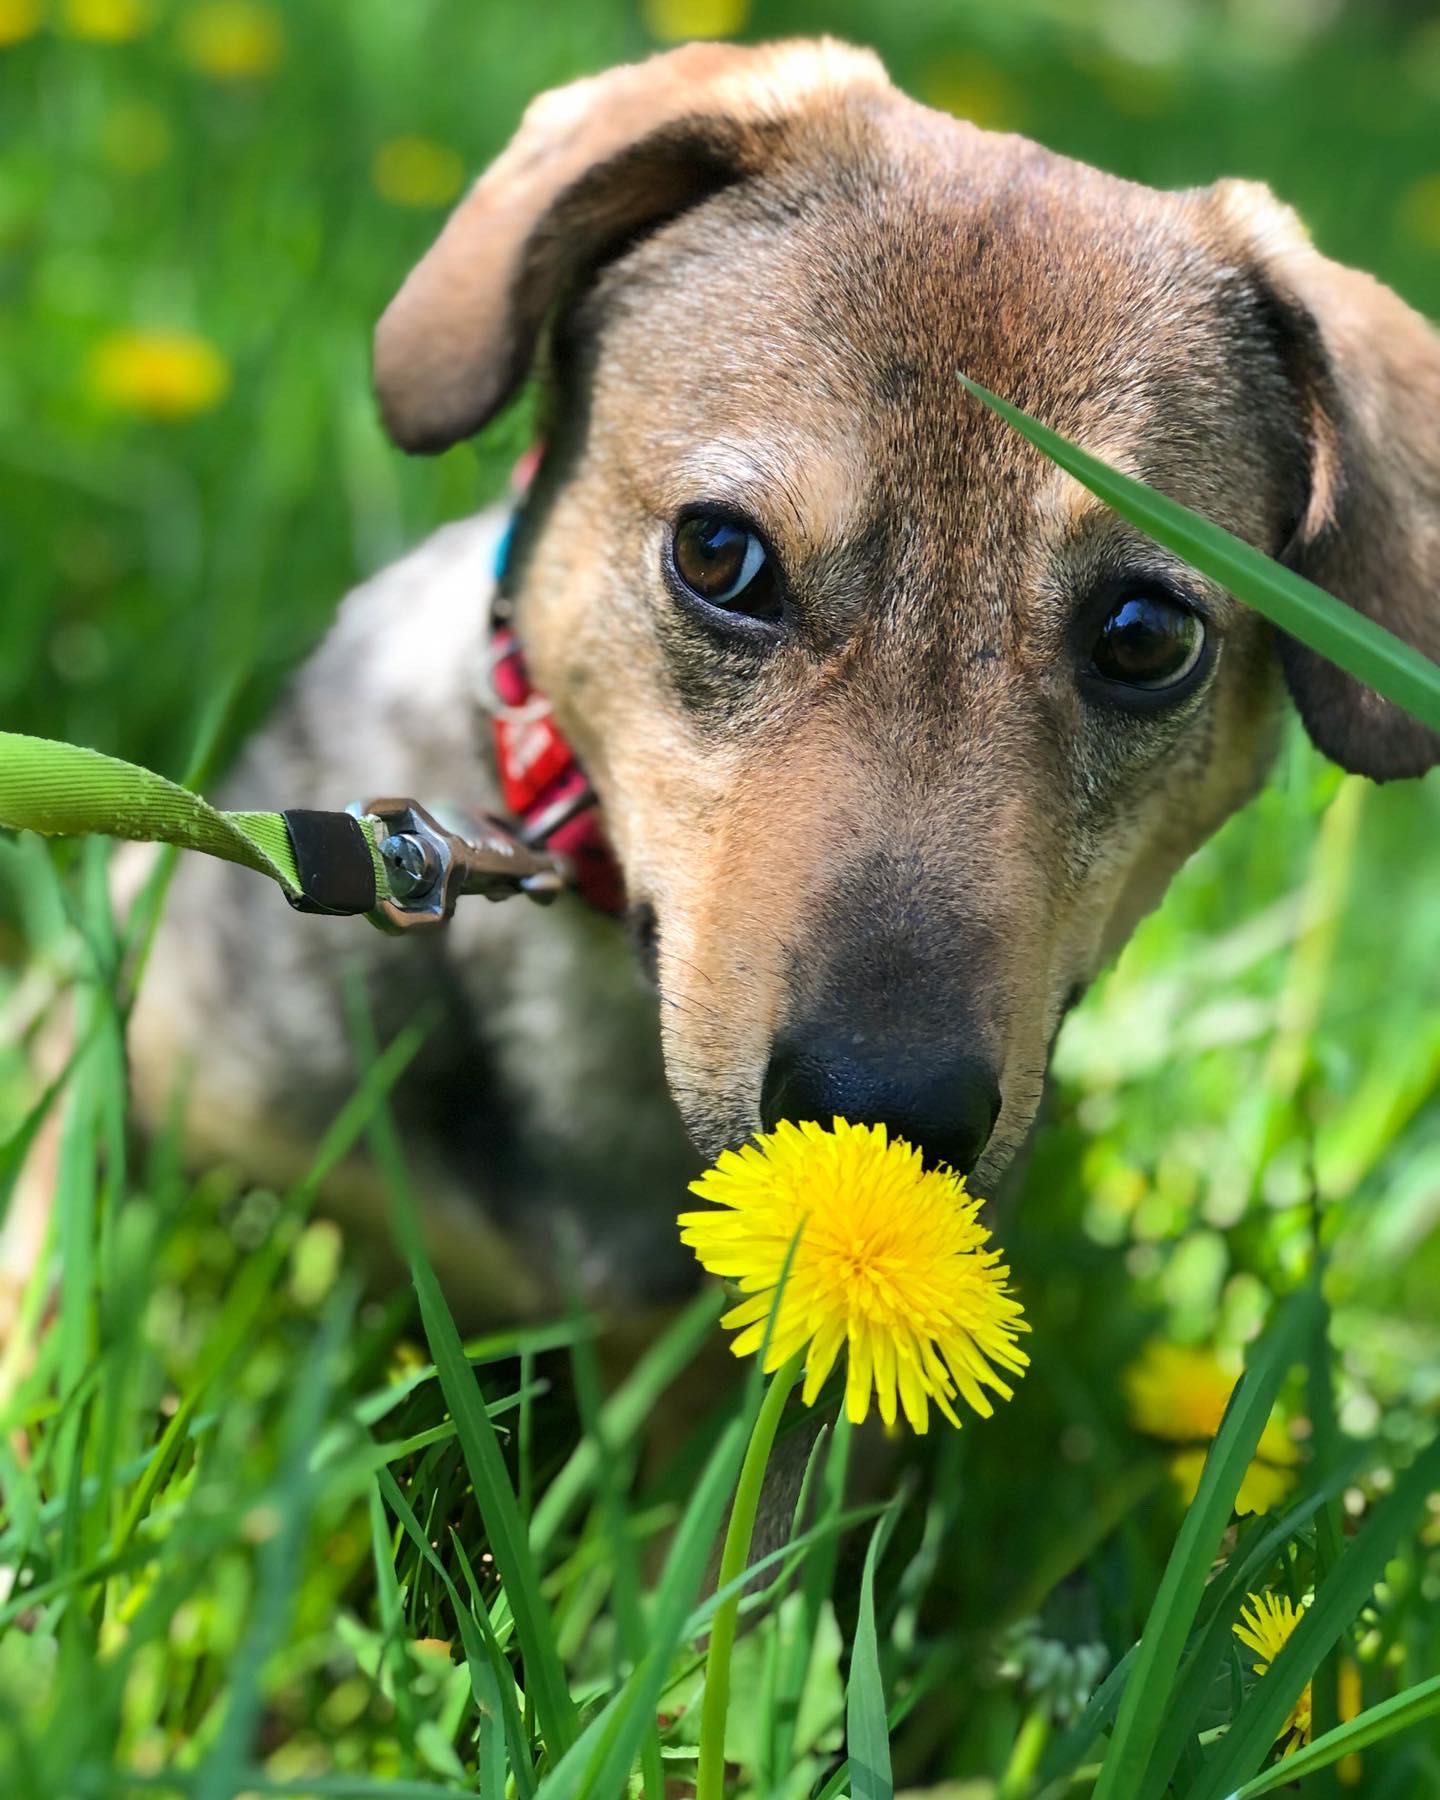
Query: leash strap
point(388, 859)
point(323, 862)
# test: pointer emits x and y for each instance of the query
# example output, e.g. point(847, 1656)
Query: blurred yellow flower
point(19, 19)
point(1351, 1703)
point(1418, 213)
point(674, 20)
point(416, 171)
point(1265, 1627)
point(104, 21)
point(1180, 1393)
point(972, 89)
point(159, 374)
point(135, 137)
point(890, 1263)
point(232, 40)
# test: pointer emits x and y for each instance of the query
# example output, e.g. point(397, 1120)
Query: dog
point(895, 731)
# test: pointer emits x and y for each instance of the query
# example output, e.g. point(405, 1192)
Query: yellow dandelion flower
point(1351, 1703)
point(232, 40)
point(1418, 212)
point(19, 19)
point(673, 20)
point(159, 374)
point(105, 21)
point(1179, 1393)
point(1265, 1626)
point(415, 171)
point(890, 1264)
point(973, 89)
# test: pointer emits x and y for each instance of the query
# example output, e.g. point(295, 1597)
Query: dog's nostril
point(945, 1105)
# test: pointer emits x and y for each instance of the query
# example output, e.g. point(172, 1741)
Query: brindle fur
point(756, 273)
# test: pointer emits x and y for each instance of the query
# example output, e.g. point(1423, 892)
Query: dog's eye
point(1150, 641)
point(725, 564)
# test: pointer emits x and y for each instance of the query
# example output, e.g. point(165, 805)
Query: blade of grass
point(17, 1145)
point(792, 1666)
point(599, 1761)
point(753, 1599)
point(479, 1443)
point(490, 1735)
point(1183, 1585)
point(1066, 1753)
point(763, 1410)
point(372, 1407)
point(1337, 631)
point(390, 1605)
point(710, 1773)
point(491, 1682)
point(1335, 1607)
point(624, 1574)
point(1329, 1536)
point(254, 1782)
point(617, 1730)
point(867, 1731)
point(625, 1412)
point(480, 1447)
point(525, 1444)
point(1214, 1638)
point(1383, 1721)
point(295, 1488)
point(519, 1732)
point(258, 1273)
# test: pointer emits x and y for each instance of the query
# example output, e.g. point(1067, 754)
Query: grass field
point(260, 1533)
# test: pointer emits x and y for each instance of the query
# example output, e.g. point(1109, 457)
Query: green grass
point(260, 1533)
point(248, 1598)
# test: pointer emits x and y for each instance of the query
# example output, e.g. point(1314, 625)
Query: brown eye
point(725, 564)
point(1149, 641)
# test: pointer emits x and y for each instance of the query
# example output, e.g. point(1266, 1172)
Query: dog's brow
point(1089, 533)
point(815, 495)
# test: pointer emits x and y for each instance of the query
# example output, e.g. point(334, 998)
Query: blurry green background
point(204, 204)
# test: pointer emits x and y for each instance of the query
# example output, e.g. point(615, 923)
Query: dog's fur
point(755, 273)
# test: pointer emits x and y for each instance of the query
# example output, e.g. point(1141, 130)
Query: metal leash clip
point(428, 867)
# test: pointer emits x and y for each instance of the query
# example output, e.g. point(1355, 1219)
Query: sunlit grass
point(252, 1542)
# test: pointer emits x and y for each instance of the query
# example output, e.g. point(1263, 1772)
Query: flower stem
point(710, 1780)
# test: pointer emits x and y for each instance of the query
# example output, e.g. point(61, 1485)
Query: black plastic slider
point(334, 861)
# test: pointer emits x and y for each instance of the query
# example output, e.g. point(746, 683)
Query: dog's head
point(897, 731)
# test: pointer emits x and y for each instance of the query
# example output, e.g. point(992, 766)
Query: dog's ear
point(1367, 371)
point(591, 165)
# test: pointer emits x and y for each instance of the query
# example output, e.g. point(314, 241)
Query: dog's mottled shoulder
point(387, 704)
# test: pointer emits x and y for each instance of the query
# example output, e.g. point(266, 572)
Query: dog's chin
point(985, 1178)
point(711, 1132)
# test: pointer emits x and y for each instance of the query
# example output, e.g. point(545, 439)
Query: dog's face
point(897, 731)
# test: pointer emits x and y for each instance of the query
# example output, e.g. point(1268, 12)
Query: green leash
point(389, 859)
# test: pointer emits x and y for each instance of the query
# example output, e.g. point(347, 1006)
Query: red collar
point(544, 788)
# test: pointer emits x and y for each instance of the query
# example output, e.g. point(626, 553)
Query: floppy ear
point(591, 165)
point(1368, 371)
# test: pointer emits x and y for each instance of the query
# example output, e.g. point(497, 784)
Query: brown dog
point(897, 732)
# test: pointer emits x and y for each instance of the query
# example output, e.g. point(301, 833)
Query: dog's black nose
point(946, 1106)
